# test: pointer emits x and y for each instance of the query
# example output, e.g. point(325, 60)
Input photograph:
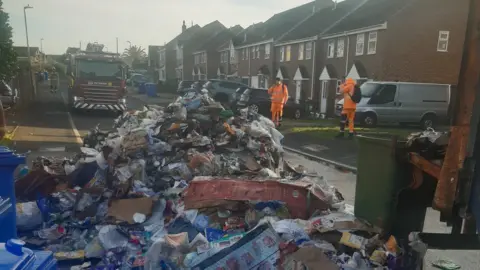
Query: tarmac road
point(49, 129)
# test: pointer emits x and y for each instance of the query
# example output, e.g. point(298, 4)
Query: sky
point(66, 23)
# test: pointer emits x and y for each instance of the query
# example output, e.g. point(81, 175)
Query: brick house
point(154, 61)
point(388, 40)
point(207, 59)
point(296, 51)
point(185, 57)
point(255, 47)
point(167, 67)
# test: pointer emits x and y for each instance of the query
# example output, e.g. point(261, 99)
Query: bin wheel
point(428, 121)
point(370, 120)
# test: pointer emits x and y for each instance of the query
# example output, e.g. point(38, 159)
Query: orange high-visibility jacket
point(348, 89)
point(278, 93)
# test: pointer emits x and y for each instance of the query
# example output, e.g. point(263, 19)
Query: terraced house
point(390, 40)
point(255, 47)
point(207, 59)
point(185, 51)
point(167, 63)
point(300, 55)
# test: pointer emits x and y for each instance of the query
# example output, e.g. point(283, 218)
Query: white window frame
point(288, 53)
point(257, 52)
point(372, 42)
point(282, 53)
point(253, 52)
point(222, 57)
point(243, 54)
point(331, 48)
point(301, 51)
point(248, 54)
point(340, 47)
point(197, 59)
point(443, 40)
point(267, 51)
point(360, 44)
point(308, 50)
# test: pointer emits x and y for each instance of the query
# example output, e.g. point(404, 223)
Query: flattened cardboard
point(123, 210)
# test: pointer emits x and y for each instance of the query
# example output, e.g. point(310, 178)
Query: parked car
point(258, 100)
point(236, 97)
point(223, 91)
point(136, 79)
point(8, 96)
point(184, 86)
point(425, 104)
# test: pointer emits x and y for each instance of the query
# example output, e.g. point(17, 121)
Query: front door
point(298, 91)
point(323, 97)
point(254, 82)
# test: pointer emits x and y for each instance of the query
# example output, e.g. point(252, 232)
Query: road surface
point(49, 129)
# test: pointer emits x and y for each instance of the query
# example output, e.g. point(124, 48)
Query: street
point(51, 130)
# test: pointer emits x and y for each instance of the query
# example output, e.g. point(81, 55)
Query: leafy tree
point(134, 54)
point(8, 56)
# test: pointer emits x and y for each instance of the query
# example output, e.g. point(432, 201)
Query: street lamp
point(26, 28)
point(28, 49)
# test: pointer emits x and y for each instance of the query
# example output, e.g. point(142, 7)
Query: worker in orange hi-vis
point(349, 108)
point(279, 96)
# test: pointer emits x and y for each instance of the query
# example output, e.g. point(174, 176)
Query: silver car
point(8, 96)
point(402, 102)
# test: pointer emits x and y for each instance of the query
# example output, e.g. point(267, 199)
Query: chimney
point(334, 4)
point(184, 27)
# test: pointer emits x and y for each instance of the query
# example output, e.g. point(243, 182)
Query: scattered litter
point(192, 186)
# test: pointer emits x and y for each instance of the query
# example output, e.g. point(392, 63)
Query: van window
point(368, 89)
point(385, 95)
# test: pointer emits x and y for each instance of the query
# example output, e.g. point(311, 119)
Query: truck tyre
point(369, 120)
point(428, 121)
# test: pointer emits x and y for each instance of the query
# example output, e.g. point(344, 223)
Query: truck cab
point(98, 82)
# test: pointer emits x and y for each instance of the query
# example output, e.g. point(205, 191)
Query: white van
point(401, 102)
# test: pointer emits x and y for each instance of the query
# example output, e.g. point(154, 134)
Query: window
point(331, 49)
point(243, 54)
point(443, 37)
point(248, 53)
point(222, 57)
point(339, 86)
point(197, 59)
point(253, 52)
point(288, 53)
point(308, 51)
point(340, 47)
point(93, 69)
point(203, 58)
point(282, 54)
point(267, 51)
point(372, 43)
point(301, 50)
point(360, 44)
point(257, 52)
point(385, 95)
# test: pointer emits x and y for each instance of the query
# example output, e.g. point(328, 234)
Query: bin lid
point(14, 256)
point(6, 153)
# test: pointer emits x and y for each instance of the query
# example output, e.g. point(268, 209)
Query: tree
point(8, 56)
point(134, 54)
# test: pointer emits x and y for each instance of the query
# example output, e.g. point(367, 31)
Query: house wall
point(170, 64)
point(412, 50)
point(251, 66)
point(213, 62)
point(292, 66)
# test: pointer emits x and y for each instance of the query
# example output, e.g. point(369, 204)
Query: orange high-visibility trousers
point(348, 115)
point(276, 109)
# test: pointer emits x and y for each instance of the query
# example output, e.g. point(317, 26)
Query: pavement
point(49, 129)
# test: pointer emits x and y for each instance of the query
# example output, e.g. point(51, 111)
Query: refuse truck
point(397, 180)
point(97, 81)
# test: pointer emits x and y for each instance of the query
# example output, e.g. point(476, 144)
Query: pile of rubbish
point(192, 186)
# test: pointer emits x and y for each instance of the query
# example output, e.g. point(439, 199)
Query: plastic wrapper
point(110, 238)
point(29, 216)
